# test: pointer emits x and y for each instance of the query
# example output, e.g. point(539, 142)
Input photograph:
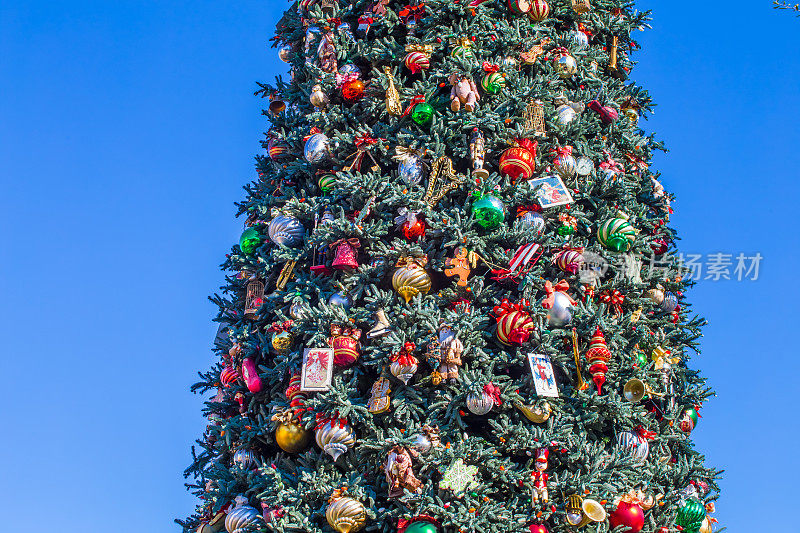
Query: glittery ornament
point(598, 355)
point(345, 514)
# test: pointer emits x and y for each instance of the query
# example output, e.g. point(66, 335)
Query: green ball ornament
point(489, 211)
point(616, 234)
point(565, 230)
point(422, 113)
point(421, 526)
point(250, 241)
point(691, 514)
point(641, 359)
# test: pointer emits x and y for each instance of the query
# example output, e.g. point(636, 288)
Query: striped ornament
point(493, 82)
point(632, 443)
point(335, 438)
point(514, 327)
point(410, 281)
point(539, 10)
point(277, 149)
point(228, 376)
point(463, 51)
point(518, 163)
point(569, 261)
point(417, 61)
point(616, 234)
point(345, 350)
point(566, 166)
point(240, 516)
point(326, 183)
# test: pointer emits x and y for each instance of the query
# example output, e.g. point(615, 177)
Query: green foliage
point(582, 431)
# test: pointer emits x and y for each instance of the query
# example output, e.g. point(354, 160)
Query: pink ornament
point(250, 375)
point(345, 255)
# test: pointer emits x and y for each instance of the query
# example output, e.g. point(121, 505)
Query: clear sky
point(126, 131)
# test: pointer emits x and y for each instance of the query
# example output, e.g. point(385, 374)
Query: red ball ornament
point(414, 231)
point(629, 515)
point(353, 90)
point(538, 528)
point(519, 162)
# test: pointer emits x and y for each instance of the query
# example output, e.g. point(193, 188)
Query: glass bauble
point(489, 211)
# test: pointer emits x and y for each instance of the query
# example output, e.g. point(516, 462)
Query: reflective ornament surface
point(422, 113)
point(411, 280)
point(560, 314)
point(249, 241)
point(566, 66)
point(285, 53)
point(317, 149)
point(479, 403)
point(616, 234)
point(631, 443)
point(335, 438)
point(286, 231)
point(292, 437)
point(340, 299)
point(691, 514)
point(629, 515)
point(241, 516)
point(345, 514)
point(411, 170)
point(489, 211)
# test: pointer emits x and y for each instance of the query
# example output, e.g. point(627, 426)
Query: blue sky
point(126, 131)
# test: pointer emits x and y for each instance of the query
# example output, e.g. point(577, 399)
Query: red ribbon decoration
point(352, 242)
point(506, 307)
point(415, 12)
point(490, 67)
point(614, 299)
point(644, 434)
point(419, 99)
point(491, 390)
point(280, 327)
point(524, 209)
point(323, 420)
point(551, 290)
point(365, 139)
point(558, 151)
point(406, 355)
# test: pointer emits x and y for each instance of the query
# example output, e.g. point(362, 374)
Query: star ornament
point(459, 477)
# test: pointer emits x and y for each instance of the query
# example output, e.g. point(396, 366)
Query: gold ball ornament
point(345, 514)
point(292, 437)
point(411, 280)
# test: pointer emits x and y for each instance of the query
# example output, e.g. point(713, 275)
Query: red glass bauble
point(414, 231)
point(519, 162)
point(629, 515)
point(659, 246)
point(352, 90)
point(538, 528)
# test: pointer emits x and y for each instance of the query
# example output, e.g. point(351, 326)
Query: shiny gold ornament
point(335, 437)
point(290, 435)
point(393, 105)
point(344, 514)
point(287, 273)
point(410, 279)
point(318, 98)
point(582, 385)
point(614, 70)
point(634, 390)
point(538, 414)
point(281, 342)
point(581, 6)
point(441, 180)
point(593, 511)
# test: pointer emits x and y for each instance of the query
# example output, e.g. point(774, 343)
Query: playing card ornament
point(514, 324)
point(404, 364)
point(558, 303)
point(241, 516)
point(598, 356)
point(345, 514)
point(410, 278)
point(400, 473)
point(539, 477)
point(344, 341)
point(334, 436)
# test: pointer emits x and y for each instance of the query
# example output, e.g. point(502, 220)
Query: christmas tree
point(456, 304)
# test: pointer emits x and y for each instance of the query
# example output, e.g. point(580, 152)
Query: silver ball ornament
point(533, 220)
point(286, 231)
point(579, 39)
point(298, 311)
point(245, 459)
point(240, 516)
point(566, 66)
point(422, 443)
point(631, 443)
point(317, 149)
point(410, 170)
point(566, 167)
point(340, 299)
point(285, 53)
point(560, 314)
point(669, 303)
point(479, 403)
